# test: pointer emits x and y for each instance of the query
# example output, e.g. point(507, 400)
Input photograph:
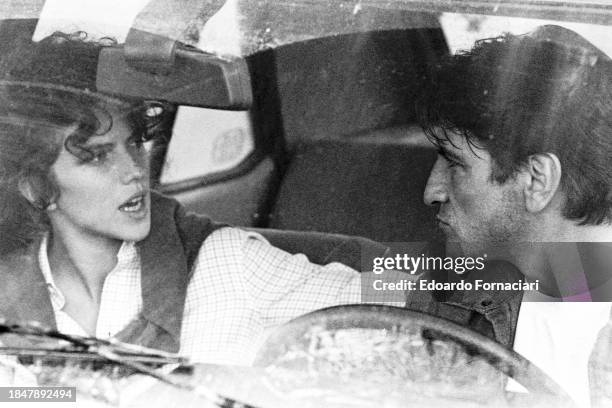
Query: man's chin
point(457, 245)
point(490, 250)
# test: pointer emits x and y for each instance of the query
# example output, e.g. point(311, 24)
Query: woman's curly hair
point(48, 101)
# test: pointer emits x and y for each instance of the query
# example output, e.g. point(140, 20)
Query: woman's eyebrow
point(100, 145)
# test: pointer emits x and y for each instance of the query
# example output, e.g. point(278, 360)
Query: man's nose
point(435, 190)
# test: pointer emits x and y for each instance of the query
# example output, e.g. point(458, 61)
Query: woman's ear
point(38, 192)
point(27, 190)
point(543, 171)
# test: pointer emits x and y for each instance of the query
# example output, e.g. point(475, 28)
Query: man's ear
point(543, 171)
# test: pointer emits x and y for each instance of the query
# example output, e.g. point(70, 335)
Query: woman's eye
point(99, 157)
point(137, 142)
point(95, 157)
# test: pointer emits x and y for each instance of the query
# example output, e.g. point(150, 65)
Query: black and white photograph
point(306, 203)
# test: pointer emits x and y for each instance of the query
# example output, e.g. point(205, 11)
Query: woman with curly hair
point(88, 248)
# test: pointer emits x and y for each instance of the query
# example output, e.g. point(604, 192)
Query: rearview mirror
point(153, 67)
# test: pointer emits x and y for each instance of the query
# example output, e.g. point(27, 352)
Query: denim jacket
point(492, 313)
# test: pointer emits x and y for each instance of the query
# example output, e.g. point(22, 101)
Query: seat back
point(368, 189)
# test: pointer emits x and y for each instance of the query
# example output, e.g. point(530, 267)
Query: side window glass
point(205, 142)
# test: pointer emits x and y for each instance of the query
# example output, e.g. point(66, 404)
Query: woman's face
point(107, 196)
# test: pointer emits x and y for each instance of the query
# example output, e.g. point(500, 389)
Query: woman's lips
point(136, 207)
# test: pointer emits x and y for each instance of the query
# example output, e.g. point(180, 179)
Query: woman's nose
point(132, 168)
point(436, 188)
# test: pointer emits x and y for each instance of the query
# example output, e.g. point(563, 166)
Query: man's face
point(474, 210)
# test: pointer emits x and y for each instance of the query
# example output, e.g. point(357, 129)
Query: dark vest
point(491, 313)
point(167, 256)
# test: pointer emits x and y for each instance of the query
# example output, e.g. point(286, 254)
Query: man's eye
point(453, 163)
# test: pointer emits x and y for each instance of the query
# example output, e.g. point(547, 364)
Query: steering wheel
point(420, 332)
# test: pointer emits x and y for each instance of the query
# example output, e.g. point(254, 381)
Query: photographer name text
point(478, 284)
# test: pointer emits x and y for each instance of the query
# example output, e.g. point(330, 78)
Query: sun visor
point(149, 66)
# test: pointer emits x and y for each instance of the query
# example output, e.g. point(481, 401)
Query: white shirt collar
point(126, 254)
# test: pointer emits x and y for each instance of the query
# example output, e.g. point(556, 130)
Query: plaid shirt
point(240, 289)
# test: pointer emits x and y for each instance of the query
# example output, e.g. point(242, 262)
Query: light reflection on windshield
point(463, 30)
point(242, 27)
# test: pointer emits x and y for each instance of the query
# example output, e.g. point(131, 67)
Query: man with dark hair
point(523, 126)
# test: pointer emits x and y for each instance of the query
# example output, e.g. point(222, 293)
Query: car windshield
point(241, 27)
point(203, 198)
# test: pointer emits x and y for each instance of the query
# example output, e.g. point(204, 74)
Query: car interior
point(338, 163)
point(337, 150)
